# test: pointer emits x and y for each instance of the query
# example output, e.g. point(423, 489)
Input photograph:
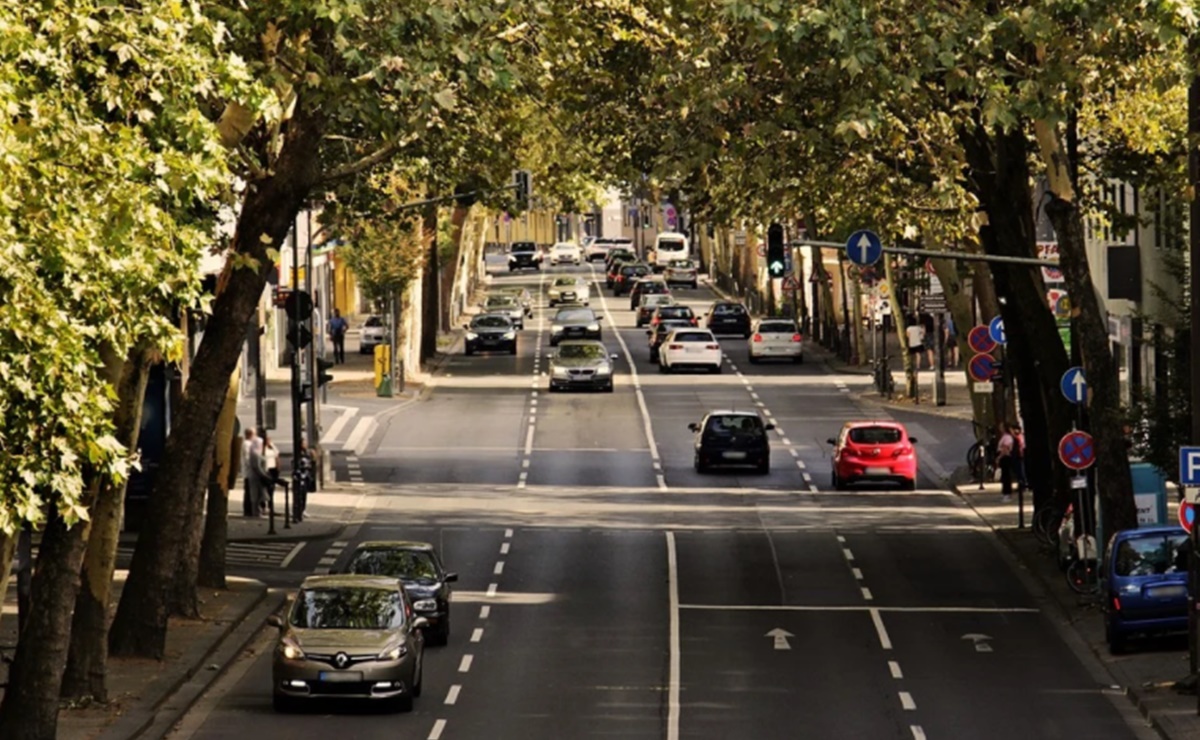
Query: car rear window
point(734, 424)
point(674, 311)
point(729, 308)
point(693, 336)
point(564, 281)
point(578, 314)
point(1151, 555)
point(777, 327)
point(875, 435)
point(635, 270)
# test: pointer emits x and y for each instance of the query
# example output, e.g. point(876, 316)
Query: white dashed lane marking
point(464, 665)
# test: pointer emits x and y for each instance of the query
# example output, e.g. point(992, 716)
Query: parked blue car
point(1145, 584)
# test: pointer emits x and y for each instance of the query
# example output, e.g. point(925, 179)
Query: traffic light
point(299, 335)
point(523, 184)
point(323, 368)
point(776, 259)
point(298, 304)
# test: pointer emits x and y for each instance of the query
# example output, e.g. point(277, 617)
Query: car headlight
point(291, 649)
point(556, 329)
point(593, 327)
point(560, 372)
point(394, 653)
point(472, 336)
point(425, 605)
point(604, 370)
point(510, 335)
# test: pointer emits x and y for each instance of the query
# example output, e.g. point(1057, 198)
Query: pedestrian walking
point(249, 489)
point(929, 339)
point(1019, 458)
point(337, 331)
point(271, 461)
point(306, 480)
point(1004, 461)
point(951, 341)
point(915, 334)
point(257, 478)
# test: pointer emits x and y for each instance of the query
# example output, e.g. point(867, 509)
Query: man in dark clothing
point(337, 332)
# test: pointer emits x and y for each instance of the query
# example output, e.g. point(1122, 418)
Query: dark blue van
point(1145, 584)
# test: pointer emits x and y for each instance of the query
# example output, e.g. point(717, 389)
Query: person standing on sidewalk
point(915, 334)
point(249, 490)
point(306, 480)
point(1019, 458)
point(951, 342)
point(337, 331)
point(271, 460)
point(1005, 447)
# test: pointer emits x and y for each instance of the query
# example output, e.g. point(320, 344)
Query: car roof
point(395, 545)
point(346, 580)
point(732, 412)
point(579, 343)
point(881, 423)
point(1150, 532)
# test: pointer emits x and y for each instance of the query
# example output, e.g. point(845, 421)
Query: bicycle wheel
point(1045, 521)
point(1082, 577)
point(975, 460)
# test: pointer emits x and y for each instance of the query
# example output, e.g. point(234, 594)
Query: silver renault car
point(349, 637)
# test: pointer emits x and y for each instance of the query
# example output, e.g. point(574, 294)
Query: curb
point(175, 695)
point(315, 537)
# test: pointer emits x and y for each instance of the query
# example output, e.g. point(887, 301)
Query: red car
point(868, 451)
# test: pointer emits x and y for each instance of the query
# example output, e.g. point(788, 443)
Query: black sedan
point(732, 438)
point(575, 322)
point(727, 317)
point(491, 332)
point(582, 364)
point(419, 568)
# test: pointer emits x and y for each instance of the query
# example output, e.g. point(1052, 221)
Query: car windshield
point(581, 352)
point(407, 565)
point(523, 247)
point(563, 281)
point(734, 424)
point(636, 270)
point(667, 327)
point(346, 608)
point(692, 336)
point(729, 308)
point(576, 314)
point(373, 321)
point(564, 247)
point(776, 327)
point(491, 322)
point(1151, 555)
point(875, 435)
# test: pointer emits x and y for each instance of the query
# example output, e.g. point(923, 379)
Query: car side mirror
point(275, 621)
point(420, 623)
point(451, 577)
point(769, 427)
point(912, 440)
point(694, 427)
point(831, 441)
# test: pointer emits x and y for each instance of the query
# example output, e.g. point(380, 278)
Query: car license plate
point(340, 676)
point(1165, 592)
point(879, 471)
point(694, 349)
point(734, 455)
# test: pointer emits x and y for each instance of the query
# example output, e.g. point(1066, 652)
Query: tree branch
point(369, 161)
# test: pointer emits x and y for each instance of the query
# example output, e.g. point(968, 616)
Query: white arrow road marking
point(980, 640)
point(781, 638)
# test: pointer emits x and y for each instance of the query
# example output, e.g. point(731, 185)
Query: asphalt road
point(608, 590)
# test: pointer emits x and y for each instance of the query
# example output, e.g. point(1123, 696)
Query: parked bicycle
point(981, 456)
point(882, 373)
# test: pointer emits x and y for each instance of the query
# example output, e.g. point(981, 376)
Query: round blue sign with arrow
point(1074, 385)
point(1076, 450)
point(996, 330)
point(864, 248)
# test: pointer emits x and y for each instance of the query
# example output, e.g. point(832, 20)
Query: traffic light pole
point(297, 439)
point(1193, 107)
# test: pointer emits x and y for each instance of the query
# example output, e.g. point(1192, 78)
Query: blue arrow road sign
point(996, 330)
point(1189, 466)
point(864, 248)
point(1074, 385)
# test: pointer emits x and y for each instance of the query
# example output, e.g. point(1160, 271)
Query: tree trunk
point(430, 285)
point(183, 599)
point(223, 476)
point(30, 707)
point(860, 337)
point(268, 212)
point(458, 217)
point(87, 659)
point(8, 550)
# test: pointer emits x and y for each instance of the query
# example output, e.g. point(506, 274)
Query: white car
point(684, 348)
point(775, 338)
point(569, 290)
point(599, 248)
point(371, 335)
point(564, 253)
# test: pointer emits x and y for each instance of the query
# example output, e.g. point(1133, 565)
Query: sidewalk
point(1145, 675)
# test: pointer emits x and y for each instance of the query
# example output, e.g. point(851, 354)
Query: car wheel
point(798, 359)
point(838, 483)
point(698, 463)
point(468, 351)
point(716, 369)
point(910, 484)
point(513, 351)
point(764, 467)
point(753, 360)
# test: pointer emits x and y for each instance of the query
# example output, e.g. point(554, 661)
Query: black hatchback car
point(490, 332)
point(419, 568)
point(728, 317)
point(732, 438)
point(524, 256)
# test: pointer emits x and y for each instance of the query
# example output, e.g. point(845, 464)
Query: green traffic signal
point(776, 258)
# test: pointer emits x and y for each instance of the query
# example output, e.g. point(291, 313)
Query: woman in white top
point(915, 334)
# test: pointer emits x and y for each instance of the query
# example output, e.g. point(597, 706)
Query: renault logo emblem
point(341, 660)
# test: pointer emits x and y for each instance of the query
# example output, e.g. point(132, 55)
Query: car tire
point(283, 704)
point(699, 465)
point(746, 334)
point(753, 360)
point(716, 369)
point(910, 485)
point(798, 360)
point(513, 351)
point(468, 351)
point(838, 483)
point(653, 358)
point(764, 467)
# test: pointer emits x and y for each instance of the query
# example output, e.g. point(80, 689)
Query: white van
point(669, 246)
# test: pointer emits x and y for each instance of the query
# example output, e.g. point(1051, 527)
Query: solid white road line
point(465, 664)
point(884, 641)
point(674, 662)
point(907, 702)
point(860, 608)
point(337, 426)
point(292, 555)
point(452, 694)
point(894, 667)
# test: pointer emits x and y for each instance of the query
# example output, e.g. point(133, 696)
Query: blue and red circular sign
point(1077, 450)
point(1187, 515)
point(981, 340)
point(982, 367)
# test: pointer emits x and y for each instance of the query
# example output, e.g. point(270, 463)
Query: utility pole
point(297, 435)
point(314, 439)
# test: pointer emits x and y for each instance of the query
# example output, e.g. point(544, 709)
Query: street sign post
point(996, 330)
point(982, 367)
point(1074, 385)
point(864, 248)
point(980, 340)
point(1077, 450)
